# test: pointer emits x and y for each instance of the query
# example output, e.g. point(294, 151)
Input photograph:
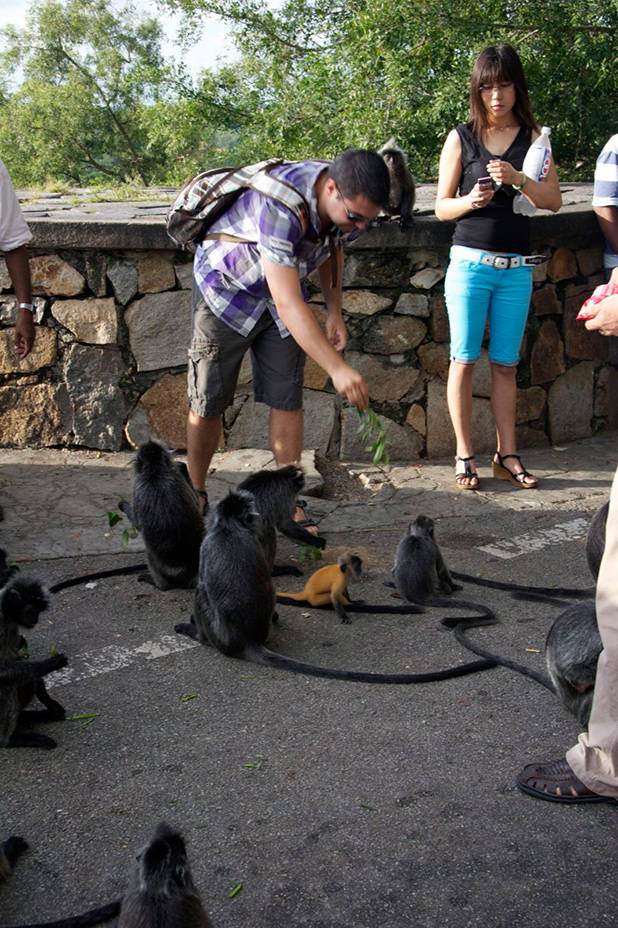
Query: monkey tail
point(296, 599)
point(291, 599)
point(261, 655)
point(484, 612)
point(512, 587)
point(462, 638)
point(102, 913)
point(537, 598)
point(99, 575)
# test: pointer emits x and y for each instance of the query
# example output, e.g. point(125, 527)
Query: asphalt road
point(330, 803)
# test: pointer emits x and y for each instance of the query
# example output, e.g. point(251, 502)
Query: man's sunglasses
point(356, 218)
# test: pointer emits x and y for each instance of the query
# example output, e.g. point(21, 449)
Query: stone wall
point(113, 306)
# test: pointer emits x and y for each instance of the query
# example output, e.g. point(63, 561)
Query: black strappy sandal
point(501, 472)
point(466, 474)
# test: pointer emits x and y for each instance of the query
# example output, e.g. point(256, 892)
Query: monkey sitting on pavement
point(419, 567)
point(21, 602)
point(403, 185)
point(275, 493)
point(161, 892)
point(167, 513)
point(235, 599)
point(329, 586)
point(10, 851)
point(572, 650)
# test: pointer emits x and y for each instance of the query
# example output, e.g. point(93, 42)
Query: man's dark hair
point(361, 172)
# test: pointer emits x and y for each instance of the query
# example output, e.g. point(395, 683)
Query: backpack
point(207, 195)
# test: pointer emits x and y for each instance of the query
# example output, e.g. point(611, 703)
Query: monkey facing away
point(403, 185)
point(161, 892)
point(21, 602)
point(166, 511)
point(275, 493)
point(329, 586)
point(572, 651)
point(235, 599)
point(419, 568)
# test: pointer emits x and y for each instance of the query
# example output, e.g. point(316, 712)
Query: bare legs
point(503, 403)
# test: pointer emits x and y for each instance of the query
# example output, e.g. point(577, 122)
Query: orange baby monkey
point(329, 586)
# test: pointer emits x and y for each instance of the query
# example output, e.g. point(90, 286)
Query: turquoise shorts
point(475, 292)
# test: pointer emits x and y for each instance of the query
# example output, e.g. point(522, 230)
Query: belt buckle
point(501, 262)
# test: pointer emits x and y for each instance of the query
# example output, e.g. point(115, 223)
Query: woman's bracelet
point(523, 183)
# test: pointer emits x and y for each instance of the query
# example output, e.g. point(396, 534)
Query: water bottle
point(536, 165)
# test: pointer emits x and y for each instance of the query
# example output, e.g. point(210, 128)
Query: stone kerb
point(113, 305)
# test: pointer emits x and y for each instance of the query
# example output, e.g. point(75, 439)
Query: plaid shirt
point(231, 276)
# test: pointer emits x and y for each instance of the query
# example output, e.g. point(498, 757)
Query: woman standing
point(490, 272)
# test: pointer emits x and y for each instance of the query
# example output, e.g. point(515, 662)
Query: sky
point(213, 44)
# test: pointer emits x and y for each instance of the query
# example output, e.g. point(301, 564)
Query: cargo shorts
point(216, 353)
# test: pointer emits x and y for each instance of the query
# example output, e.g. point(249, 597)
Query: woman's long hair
point(496, 65)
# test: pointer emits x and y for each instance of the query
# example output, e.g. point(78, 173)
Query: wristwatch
point(28, 306)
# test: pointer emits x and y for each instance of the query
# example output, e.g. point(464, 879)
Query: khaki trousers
point(594, 759)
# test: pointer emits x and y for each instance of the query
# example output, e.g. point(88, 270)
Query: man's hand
point(336, 331)
point(349, 383)
point(24, 333)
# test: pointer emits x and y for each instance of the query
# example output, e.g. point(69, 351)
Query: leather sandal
point(466, 474)
point(501, 472)
point(557, 782)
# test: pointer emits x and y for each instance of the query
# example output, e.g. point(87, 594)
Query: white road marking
point(114, 657)
point(526, 544)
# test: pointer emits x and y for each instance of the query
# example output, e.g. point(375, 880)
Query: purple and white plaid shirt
point(230, 275)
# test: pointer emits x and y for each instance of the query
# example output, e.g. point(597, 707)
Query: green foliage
point(372, 435)
point(330, 75)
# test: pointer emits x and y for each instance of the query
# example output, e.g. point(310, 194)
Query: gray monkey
point(403, 185)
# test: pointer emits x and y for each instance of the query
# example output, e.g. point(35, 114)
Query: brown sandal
point(466, 474)
point(501, 472)
point(557, 782)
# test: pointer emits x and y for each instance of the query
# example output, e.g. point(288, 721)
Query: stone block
point(581, 343)
point(30, 416)
point(161, 414)
point(601, 397)
point(315, 377)
point(245, 374)
point(545, 301)
point(364, 302)
point(159, 328)
point(96, 273)
point(375, 269)
point(5, 278)
point(55, 277)
point(547, 355)
point(424, 257)
point(155, 273)
point(439, 327)
point(417, 419)
point(43, 354)
point(427, 278)
point(387, 335)
point(123, 278)
point(91, 321)
point(402, 443)
point(98, 405)
point(590, 260)
point(440, 434)
point(562, 266)
point(481, 378)
point(531, 404)
point(570, 403)
point(412, 304)
point(527, 437)
point(250, 429)
point(387, 384)
point(434, 359)
point(184, 275)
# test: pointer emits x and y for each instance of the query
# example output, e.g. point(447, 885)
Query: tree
point(96, 99)
point(336, 73)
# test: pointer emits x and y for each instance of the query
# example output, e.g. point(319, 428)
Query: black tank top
point(495, 227)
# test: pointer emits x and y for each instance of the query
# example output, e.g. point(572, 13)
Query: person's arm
point(608, 222)
point(19, 272)
point(543, 194)
point(448, 204)
point(335, 326)
point(284, 285)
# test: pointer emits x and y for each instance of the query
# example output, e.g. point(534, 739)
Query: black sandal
point(501, 472)
point(466, 474)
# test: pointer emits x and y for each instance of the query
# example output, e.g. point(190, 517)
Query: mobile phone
point(485, 183)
